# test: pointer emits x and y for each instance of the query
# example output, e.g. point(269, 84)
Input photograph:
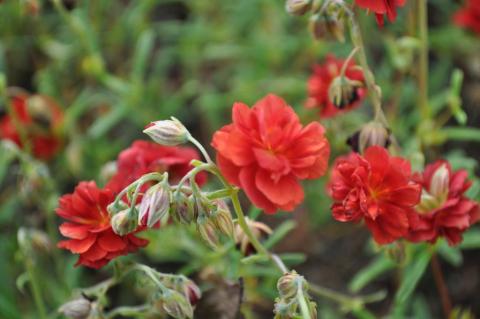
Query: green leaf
point(450, 254)
point(461, 133)
point(471, 239)
point(279, 233)
point(254, 259)
point(371, 272)
point(412, 275)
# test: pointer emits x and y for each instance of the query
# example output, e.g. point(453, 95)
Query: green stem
point(128, 311)
point(303, 303)
point(373, 91)
point(36, 291)
point(201, 148)
point(423, 59)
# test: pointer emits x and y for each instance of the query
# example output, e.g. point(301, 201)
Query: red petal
point(78, 246)
point(286, 191)
point(109, 241)
point(247, 182)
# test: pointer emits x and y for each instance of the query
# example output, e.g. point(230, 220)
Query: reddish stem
point(442, 288)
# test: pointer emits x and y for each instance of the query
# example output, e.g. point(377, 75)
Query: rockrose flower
point(469, 16)
point(376, 188)
point(320, 83)
point(382, 7)
point(144, 157)
point(35, 120)
point(444, 210)
point(266, 151)
point(88, 227)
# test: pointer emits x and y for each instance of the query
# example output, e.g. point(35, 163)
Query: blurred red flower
point(320, 81)
point(444, 210)
point(382, 7)
point(88, 227)
point(144, 157)
point(39, 118)
point(266, 151)
point(376, 188)
point(469, 16)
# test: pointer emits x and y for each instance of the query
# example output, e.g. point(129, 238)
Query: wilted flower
point(376, 188)
point(144, 157)
point(289, 284)
point(76, 309)
point(321, 81)
point(469, 16)
point(258, 229)
point(298, 7)
point(444, 210)
point(267, 152)
point(176, 304)
point(167, 132)
point(35, 121)
point(183, 208)
point(88, 227)
point(373, 133)
point(287, 305)
point(382, 7)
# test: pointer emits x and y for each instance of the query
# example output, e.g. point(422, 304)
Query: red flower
point(376, 188)
point(469, 16)
point(382, 7)
point(320, 81)
point(444, 210)
point(266, 151)
point(88, 227)
point(144, 157)
point(39, 117)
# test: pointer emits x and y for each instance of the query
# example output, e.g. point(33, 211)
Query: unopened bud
point(155, 204)
point(167, 132)
point(192, 292)
point(330, 24)
point(182, 209)
point(176, 305)
point(373, 133)
point(124, 223)
point(208, 231)
point(223, 218)
point(343, 91)
point(298, 7)
point(76, 309)
point(440, 182)
point(289, 284)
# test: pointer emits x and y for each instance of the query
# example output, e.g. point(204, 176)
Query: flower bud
point(192, 292)
point(258, 229)
point(124, 223)
point(176, 305)
point(440, 182)
point(167, 132)
point(208, 231)
point(155, 204)
point(182, 209)
point(329, 25)
point(77, 309)
point(289, 283)
point(343, 91)
point(373, 133)
point(298, 7)
point(223, 218)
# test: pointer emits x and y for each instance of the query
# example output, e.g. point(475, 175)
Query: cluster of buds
point(177, 298)
point(154, 206)
point(373, 133)
point(327, 20)
point(293, 290)
point(214, 220)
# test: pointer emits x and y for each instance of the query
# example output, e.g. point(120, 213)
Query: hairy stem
point(442, 288)
point(423, 59)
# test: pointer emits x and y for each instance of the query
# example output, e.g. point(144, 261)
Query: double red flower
point(88, 222)
point(88, 227)
point(382, 7)
point(376, 188)
point(266, 151)
point(34, 120)
point(469, 16)
point(320, 81)
point(444, 210)
point(144, 157)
